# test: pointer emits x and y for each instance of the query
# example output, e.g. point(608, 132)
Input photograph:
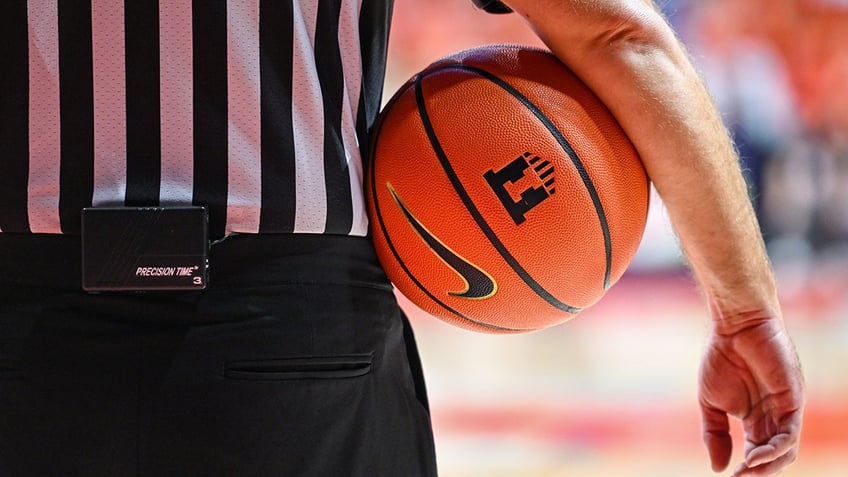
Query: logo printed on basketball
point(479, 285)
point(543, 171)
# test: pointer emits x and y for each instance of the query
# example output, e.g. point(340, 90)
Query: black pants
point(295, 362)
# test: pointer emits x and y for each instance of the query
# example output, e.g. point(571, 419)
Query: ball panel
point(610, 160)
point(424, 270)
point(419, 272)
point(608, 156)
point(557, 238)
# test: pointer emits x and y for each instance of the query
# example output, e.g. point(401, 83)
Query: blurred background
point(572, 400)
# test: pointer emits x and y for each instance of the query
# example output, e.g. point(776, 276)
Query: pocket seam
point(299, 368)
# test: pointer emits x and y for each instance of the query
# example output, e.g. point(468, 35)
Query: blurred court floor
point(612, 392)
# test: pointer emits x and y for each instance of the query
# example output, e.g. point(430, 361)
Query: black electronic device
point(144, 248)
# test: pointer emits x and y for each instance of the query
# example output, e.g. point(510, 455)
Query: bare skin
point(626, 52)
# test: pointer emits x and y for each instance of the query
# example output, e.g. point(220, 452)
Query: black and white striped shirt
point(254, 108)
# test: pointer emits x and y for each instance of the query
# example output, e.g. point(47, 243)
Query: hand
point(752, 374)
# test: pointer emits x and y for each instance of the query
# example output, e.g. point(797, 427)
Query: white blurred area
point(573, 400)
point(659, 249)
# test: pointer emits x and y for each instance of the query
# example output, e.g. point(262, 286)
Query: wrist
point(739, 312)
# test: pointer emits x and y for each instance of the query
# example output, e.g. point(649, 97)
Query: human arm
point(626, 52)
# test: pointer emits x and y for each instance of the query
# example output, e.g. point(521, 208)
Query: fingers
point(717, 437)
point(766, 460)
point(773, 449)
point(768, 468)
point(771, 457)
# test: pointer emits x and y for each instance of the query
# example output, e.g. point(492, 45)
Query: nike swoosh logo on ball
point(478, 284)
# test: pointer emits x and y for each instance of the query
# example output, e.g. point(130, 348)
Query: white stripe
point(44, 139)
point(244, 110)
point(308, 123)
point(352, 67)
point(176, 101)
point(110, 107)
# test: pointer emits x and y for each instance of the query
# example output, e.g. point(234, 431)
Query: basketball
point(503, 196)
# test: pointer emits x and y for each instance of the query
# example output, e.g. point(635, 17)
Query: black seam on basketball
point(563, 142)
point(472, 209)
point(403, 265)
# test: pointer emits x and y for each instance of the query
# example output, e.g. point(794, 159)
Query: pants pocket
point(301, 368)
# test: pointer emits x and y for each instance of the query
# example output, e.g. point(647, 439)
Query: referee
point(293, 358)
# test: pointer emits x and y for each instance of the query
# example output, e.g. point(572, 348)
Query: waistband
point(51, 262)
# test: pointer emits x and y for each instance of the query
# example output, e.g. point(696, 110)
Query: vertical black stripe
point(374, 23)
point(209, 39)
point(276, 23)
point(362, 130)
point(14, 112)
point(143, 129)
point(331, 75)
point(76, 103)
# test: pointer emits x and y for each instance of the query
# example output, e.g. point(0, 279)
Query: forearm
point(665, 109)
point(640, 70)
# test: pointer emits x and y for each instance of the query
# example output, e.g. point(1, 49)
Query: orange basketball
point(503, 195)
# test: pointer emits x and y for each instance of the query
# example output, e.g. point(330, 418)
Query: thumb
point(717, 437)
